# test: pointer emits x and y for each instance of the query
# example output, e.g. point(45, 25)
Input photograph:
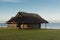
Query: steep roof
point(24, 17)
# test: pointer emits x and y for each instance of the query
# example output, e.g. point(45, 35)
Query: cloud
point(13, 0)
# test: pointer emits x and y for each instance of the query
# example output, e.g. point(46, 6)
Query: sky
point(47, 9)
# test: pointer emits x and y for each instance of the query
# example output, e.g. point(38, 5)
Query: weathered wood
point(24, 20)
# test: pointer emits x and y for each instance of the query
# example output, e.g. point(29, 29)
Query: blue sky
point(47, 9)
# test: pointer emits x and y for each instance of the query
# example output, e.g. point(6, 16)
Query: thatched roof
point(24, 17)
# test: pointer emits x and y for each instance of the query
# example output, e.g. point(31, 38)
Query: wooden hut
point(24, 20)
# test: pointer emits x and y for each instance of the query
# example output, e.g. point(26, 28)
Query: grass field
point(38, 34)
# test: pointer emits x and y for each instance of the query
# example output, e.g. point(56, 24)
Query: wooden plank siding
point(24, 26)
point(12, 26)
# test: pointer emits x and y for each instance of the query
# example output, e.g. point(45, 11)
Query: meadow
point(33, 34)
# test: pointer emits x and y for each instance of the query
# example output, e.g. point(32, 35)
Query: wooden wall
point(12, 26)
point(25, 26)
point(33, 26)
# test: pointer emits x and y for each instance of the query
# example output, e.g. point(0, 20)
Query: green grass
point(38, 34)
